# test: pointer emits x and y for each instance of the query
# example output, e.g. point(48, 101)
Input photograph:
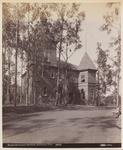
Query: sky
point(91, 33)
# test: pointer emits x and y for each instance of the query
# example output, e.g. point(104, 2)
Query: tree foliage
point(112, 23)
point(31, 29)
point(109, 72)
point(105, 71)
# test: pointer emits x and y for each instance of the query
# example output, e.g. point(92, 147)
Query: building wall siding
point(85, 87)
point(91, 76)
point(89, 84)
point(85, 73)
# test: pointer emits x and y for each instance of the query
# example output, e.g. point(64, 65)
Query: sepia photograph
point(61, 74)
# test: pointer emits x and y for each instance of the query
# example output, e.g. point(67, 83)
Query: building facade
point(81, 80)
point(87, 78)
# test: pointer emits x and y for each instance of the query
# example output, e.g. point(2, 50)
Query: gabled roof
point(70, 66)
point(86, 63)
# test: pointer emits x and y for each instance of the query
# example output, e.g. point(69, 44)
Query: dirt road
point(75, 124)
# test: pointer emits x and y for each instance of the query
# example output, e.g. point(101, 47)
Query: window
point(47, 56)
point(45, 91)
point(82, 93)
point(82, 78)
point(91, 94)
point(52, 74)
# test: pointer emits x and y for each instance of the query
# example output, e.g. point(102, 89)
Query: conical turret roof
point(86, 63)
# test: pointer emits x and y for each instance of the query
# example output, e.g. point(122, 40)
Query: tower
point(87, 78)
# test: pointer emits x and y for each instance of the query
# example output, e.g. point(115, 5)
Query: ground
point(73, 124)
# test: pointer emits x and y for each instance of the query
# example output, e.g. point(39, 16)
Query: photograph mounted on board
point(61, 75)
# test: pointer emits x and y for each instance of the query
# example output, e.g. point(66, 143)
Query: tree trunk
point(8, 84)
point(27, 89)
point(21, 76)
point(117, 97)
point(58, 77)
point(15, 98)
point(98, 96)
point(66, 65)
point(33, 78)
point(42, 69)
point(16, 54)
point(3, 73)
point(58, 74)
point(28, 65)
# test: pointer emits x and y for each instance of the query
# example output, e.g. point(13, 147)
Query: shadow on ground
point(28, 126)
point(33, 121)
point(21, 112)
point(103, 122)
point(83, 107)
point(20, 117)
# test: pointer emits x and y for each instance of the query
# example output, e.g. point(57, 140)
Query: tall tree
point(40, 47)
point(112, 27)
point(8, 44)
point(38, 19)
point(40, 44)
point(21, 10)
point(105, 72)
point(68, 27)
point(13, 13)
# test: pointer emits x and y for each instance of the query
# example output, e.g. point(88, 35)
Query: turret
point(87, 77)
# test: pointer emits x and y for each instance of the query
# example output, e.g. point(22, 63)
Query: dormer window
point(82, 78)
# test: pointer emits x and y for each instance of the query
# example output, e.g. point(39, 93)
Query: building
point(81, 80)
point(87, 78)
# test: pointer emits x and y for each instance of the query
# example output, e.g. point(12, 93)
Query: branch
point(72, 54)
point(113, 60)
point(63, 55)
point(115, 28)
